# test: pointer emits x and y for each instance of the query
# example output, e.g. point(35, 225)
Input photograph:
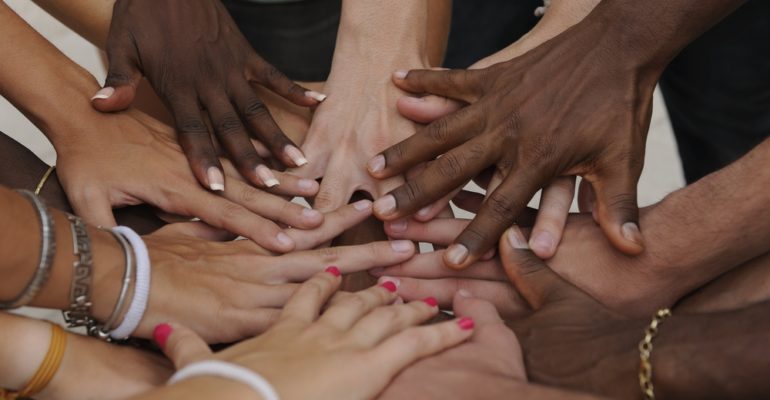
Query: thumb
point(534, 280)
point(618, 213)
point(123, 76)
point(94, 207)
point(180, 344)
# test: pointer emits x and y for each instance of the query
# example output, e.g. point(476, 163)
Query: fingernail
point(424, 212)
point(216, 179)
point(431, 301)
point(631, 232)
point(266, 176)
point(400, 74)
point(464, 293)
point(389, 286)
point(309, 213)
point(307, 184)
point(395, 281)
point(466, 323)
point(385, 206)
point(398, 226)
point(104, 93)
point(376, 164)
point(284, 239)
point(319, 97)
point(377, 271)
point(333, 270)
point(296, 155)
point(399, 300)
point(542, 242)
point(457, 254)
point(516, 238)
point(401, 246)
point(415, 99)
point(363, 205)
point(161, 334)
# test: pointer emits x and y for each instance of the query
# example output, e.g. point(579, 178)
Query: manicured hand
point(564, 108)
point(351, 350)
point(198, 61)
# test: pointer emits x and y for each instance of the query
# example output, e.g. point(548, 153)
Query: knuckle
point(438, 131)
point(229, 124)
point(511, 125)
point(329, 254)
point(395, 154)
point(501, 206)
point(255, 109)
point(450, 165)
point(412, 191)
point(232, 211)
point(249, 195)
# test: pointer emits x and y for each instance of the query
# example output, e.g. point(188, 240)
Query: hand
point(134, 159)
point(510, 125)
point(352, 350)
point(194, 56)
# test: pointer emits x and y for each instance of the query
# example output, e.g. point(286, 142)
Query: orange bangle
point(46, 371)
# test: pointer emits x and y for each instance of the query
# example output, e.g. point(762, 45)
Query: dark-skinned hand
point(197, 60)
point(572, 106)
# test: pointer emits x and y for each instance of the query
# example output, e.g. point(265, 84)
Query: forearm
point(89, 18)
point(204, 388)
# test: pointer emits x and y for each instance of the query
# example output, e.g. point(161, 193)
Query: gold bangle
point(50, 364)
point(40, 184)
point(645, 353)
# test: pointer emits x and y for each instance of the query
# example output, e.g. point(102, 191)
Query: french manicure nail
point(284, 239)
point(333, 270)
point(400, 74)
point(631, 232)
point(161, 333)
point(363, 205)
point(431, 301)
point(389, 286)
point(216, 179)
point(376, 164)
point(296, 155)
point(399, 226)
point(457, 254)
point(516, 238)
point(309, 213)
point(319, 97)
point(385, 206)
point(266, 176)
point(104, 93)
point(543, 241)
point(401, 246)
point(466, 323)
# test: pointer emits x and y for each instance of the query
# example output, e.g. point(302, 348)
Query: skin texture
point(352, 349)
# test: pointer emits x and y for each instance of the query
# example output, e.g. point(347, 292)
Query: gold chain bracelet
point(645, 353)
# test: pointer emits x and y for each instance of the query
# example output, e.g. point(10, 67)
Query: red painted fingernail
point(431, 301)
point(389, 286)
point(466, 323)
point(161, 334)
point(333, 270)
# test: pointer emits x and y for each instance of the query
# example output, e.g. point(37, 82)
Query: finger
point(460, 84)
point(272, 207)
point(414, 343)
point(385, 322)
point(307, 301)
point(430, 211)
point(586, 197)
point(468, 201)
point(293, 185)
point(198, 230)
point(194, 137)
point(440, 178)
point(123, 76)
point(428, 143)
point(426, 109)
point(261, 124)
point(431, 266)
point(555, 203)
point(334, 223)
point(244, 324)
point(332, 193)
point(438, 231)
point(93, 206)
point(180, 344)
point(236, 143)
point(275, 80)
point(500, 210)
point(299, 266)
point(347, 312)
point(533, 279)
point(618, 212)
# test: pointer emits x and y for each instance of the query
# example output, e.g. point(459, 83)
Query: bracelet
point(103, 331)
point(47, 252)
point(230, 371)
point(47, 370)
point(40, 184)
point(141, 288)
point(79, 313)
point(645, 353)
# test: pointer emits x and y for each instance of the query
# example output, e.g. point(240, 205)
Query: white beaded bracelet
point(141, 287)
point(229, 371)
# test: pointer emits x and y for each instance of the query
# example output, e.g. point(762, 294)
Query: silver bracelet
point(47, 252)
point(79, 313)
point(103, 331)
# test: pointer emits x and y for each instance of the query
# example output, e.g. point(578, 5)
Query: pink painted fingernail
point(466, 323)
point(319, 97)
point(401, 246)
point(400, 74)
point(376, 164)
point(384, 279)
point(104, 93)
point(457, 254)
point(296, 155)
point(333, 270)
point(516, 238)
point(389, 286)
point(385, 206)
point(399, 226)
point(216, 179)
point(266, 176)
point(431, 301)
point(161, 333)
point(363, 205)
